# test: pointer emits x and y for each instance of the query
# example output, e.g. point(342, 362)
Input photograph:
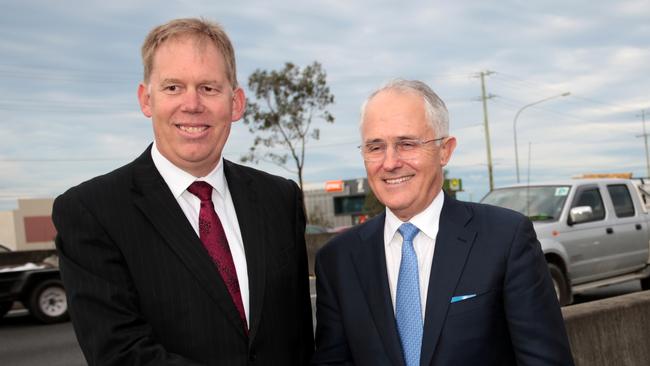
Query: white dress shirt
point(178, 181)
point(424, 244)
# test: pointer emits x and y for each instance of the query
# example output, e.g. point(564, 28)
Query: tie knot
point(408, 231)
point(203, 190)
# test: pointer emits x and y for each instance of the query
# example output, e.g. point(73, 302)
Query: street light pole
point(645, 139)
point(514, 124)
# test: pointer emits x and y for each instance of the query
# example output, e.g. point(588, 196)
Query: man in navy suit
point(432, 281)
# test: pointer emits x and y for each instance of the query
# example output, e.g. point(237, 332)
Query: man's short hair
point(199, 29)
point(435, 109)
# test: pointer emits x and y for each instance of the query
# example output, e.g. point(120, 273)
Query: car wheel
point(48, 302)
point(560, 284)
point(5, 307)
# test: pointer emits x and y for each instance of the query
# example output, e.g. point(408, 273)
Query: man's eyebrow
point(397, 138)
point(408, 137)
point(170, 81)
point(373, 141)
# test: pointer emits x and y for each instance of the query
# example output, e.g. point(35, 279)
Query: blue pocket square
point(461, 298)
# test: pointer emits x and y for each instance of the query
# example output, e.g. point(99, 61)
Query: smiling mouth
point(192, 129)
point(398, 180)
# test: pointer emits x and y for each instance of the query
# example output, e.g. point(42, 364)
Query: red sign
point(39, 229)
point(334, 186)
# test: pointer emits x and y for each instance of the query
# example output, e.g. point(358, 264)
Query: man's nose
point(391, 159)
point(192, 102)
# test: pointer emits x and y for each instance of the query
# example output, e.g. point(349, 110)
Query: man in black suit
point(384, 298)
point(182, 257)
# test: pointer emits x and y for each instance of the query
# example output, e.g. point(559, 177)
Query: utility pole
point(484, 98)
point(645, 139)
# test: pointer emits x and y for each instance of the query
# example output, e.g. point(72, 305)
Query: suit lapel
point(247, 206)
point(153, 197)
point(369, 259)
point(453, 244)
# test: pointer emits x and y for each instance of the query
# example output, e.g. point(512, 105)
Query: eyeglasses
point(407, 149)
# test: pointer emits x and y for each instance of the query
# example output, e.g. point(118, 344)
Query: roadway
point(24, 342)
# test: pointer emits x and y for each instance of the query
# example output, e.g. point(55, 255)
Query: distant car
point(38, 287)
point(315, 229)
point(340, 229)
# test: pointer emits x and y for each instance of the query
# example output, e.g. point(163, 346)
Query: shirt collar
point(178, 180)
point(427, 221)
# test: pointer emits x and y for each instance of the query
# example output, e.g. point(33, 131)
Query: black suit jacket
point(143, 290)
point(514, 319)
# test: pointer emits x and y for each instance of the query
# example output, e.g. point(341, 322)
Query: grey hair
point(434, 108)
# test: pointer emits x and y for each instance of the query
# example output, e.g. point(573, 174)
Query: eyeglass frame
point(397, 146)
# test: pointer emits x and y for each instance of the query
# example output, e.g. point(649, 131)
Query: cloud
point(69, 76)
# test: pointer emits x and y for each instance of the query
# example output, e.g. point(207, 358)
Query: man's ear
point(447, 149)
point(144, 98)
point(238, 104)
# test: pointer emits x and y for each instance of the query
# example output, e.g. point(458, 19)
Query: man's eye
point(374, 148)
point(209, 90)
point(407, 145)
point(171, 88)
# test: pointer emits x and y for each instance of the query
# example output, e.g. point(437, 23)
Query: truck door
point(591, 244)
point(630, 230)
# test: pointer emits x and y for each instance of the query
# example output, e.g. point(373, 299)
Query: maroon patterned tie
point(215, 241)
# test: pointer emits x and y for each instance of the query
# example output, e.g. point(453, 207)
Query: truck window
point(623, 205)
point(539, 203)
point(591, 197)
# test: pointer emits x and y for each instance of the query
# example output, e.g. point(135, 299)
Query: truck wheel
point(560, 284)
point(47, 302)
point(5, 307)
point(645, 283)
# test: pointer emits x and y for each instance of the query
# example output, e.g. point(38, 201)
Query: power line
point(538, 84)
point(515, 104)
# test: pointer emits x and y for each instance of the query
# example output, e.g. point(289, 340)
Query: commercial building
point(336, 203)
point(343, 203)
point(29, 227)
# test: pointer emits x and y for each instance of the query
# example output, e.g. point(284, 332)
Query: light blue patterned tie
point(408, 310)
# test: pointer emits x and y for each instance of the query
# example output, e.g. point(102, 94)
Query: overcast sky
point(69, 72)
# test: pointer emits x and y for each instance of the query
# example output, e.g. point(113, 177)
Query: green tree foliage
point(287, 103)
point(371, 205)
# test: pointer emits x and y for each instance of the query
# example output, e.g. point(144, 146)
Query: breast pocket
point(486, 300)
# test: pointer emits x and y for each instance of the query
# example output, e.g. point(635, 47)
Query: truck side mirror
point(580, 214)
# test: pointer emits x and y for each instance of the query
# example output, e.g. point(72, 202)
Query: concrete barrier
point(610, 332)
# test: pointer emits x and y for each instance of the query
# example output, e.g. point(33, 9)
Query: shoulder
point(263, 180)
point(109, 186)
point(483, 213)
point(351, 239)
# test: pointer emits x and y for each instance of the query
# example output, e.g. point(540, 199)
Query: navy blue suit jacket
point(491, 252)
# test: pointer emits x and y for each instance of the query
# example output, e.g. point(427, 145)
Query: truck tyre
point(560, 284)
point(48, 303)
point(645, 283)
point(5, 307)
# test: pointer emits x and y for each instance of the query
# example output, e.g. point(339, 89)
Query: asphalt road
point(25, 342)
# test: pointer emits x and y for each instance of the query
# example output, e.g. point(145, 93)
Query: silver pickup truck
point(594, 232)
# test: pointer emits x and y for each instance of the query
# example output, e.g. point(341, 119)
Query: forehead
point(187, 49)
point(391, 114)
